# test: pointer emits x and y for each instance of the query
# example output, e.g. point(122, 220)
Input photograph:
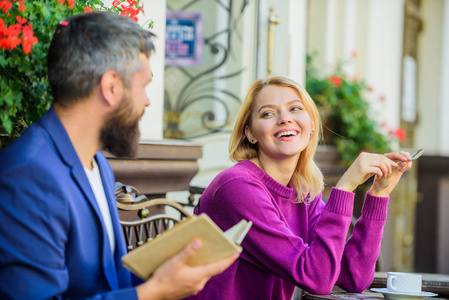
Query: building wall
point(429, 70)
point(432, 134)
point(151, 124)
point(433, 78)
point(366, 36)
point(384, 58)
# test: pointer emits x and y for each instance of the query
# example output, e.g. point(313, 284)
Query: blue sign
point(183, 38)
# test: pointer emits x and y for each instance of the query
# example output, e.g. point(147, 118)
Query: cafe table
point(435, 283)
point(366, 295)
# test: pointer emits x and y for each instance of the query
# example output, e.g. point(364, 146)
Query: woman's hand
point(385, 168)
point(383, 186)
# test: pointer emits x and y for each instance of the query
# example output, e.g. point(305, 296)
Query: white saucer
point(393, 295)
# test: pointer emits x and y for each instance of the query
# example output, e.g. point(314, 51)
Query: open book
point(217, 245)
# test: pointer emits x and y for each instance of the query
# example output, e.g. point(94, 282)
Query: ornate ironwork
point(202, 86)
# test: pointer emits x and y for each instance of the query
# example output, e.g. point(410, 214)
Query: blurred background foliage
point(344, 113)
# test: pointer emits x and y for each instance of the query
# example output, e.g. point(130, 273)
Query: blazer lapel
point(124, 277)
point(50, 121)
point(107, 257)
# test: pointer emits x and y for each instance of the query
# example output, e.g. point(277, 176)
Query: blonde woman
point(296, 239)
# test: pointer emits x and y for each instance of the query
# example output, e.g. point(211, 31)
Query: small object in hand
point(417, 154)
point(414, 156)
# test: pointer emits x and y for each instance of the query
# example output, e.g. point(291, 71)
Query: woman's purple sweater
point(290, 244)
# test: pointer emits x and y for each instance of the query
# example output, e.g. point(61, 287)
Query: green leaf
point(6, 123)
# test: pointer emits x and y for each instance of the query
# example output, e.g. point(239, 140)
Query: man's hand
point(175, 280)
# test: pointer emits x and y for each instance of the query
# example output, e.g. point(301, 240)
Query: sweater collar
point(271, 184)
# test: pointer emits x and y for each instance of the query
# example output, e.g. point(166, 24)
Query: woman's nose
point(284, 118)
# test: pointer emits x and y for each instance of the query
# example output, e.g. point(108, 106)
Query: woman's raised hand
point(387, 169)
point(383, 186)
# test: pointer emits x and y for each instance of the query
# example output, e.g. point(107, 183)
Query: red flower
point(28, 40)
point(13, 30)
point(382, 98)
point(21, 20)
point(87, 9)
point(2, 26)
point(70, 2)
point(371, 89)
point(337, 81)
point(9, 36)
point(9, 42)
point(6, 5)
point(21, 5)
point(354, 54)
point(399, 133)
point(128, 8)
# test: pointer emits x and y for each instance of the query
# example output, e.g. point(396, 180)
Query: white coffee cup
point(404, 282)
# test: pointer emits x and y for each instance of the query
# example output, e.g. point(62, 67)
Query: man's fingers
point(208, 270)
point(189, 251)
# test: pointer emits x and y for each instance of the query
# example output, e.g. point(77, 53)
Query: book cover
point(217, 245)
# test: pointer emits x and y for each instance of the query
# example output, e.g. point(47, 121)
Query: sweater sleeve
point(272, 246)
point(363, 247)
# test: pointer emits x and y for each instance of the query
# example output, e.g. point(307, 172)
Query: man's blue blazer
point(53, 242)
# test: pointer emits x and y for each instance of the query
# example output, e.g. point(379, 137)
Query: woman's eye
point(267, 114)
point(296, 108)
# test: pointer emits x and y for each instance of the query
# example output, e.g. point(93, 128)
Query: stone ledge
point(159, 167)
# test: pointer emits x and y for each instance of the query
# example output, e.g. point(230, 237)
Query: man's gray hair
point(85, 46)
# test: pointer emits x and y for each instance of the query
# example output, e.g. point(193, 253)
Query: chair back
point(143, 219)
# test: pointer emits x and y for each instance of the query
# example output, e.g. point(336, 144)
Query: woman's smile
point(286, 134)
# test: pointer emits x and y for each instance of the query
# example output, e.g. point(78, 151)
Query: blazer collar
point(53, 125)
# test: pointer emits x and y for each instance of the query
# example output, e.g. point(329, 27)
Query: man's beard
point(120, 133)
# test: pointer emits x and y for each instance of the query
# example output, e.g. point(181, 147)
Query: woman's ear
point(111, 88)
point(249, 135)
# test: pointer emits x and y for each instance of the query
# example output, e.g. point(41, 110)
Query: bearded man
point(60, 235)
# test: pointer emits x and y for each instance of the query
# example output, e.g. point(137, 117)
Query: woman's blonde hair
point(307, 177)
